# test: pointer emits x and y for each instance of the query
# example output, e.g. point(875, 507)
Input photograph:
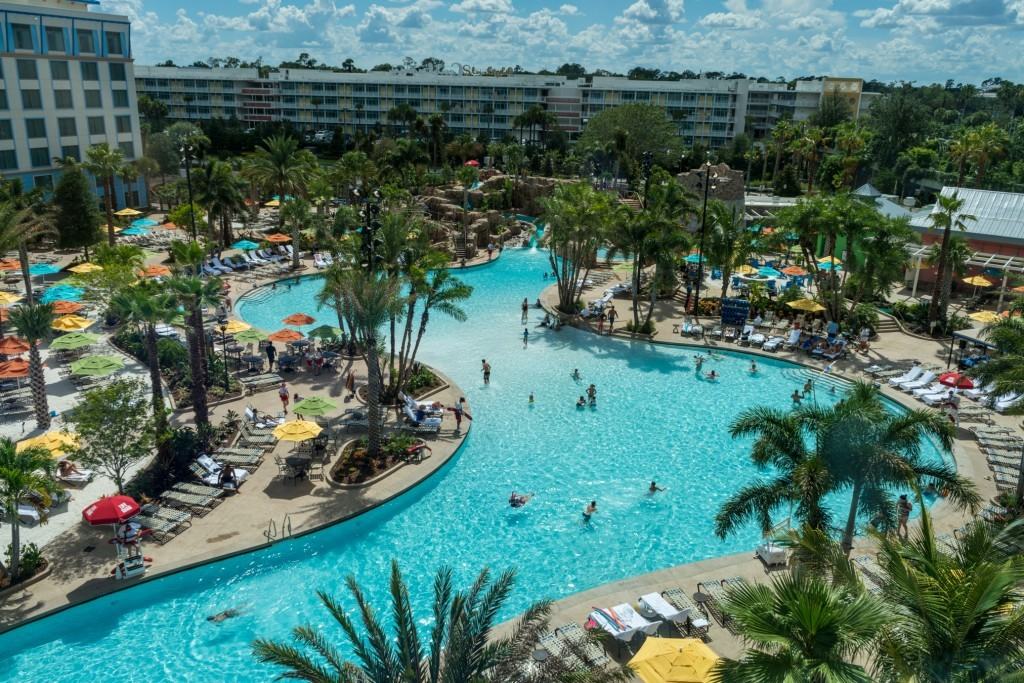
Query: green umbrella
point(315, 406)
point(250, 336)
point(324, 332)
point(97, 366)
point(74, 340)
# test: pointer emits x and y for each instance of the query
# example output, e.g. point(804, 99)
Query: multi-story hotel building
point(66, 84)
point(710, 112)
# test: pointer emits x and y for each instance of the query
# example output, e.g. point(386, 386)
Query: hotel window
point(93, 99)
point(39, 156)
point(8, 159)
point(121, 98)
point(70, 151)
point(3, 100)
point(96, 126)
point(117, 72)
point(35, 128)
point(128, 149)
point(30, 99)
point(66, 126)
point(27, 70)
point(90, 71)
point(123, 123)
point(55, 39)
point(59, 70)
point(86, 41)
point(43, 182)
point(115, 43)
point(6, 130)
point(62, 99)
point(22, 36)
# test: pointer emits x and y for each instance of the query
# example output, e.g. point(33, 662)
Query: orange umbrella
point(12, 346)
point(298, 319)
point(166, 226)
point(285, 336)
point(156, 271)
point(13, 369)
point(62, 307)
point(3, 315)
point(9, 264)
point(278, 238)
point(1018, 289)
point(794, 270)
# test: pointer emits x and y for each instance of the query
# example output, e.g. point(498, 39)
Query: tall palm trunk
point(373, 445)
point(851, 519)
point(12, 521)
point(25, 275)
point(156, 386)
point(108, 204)
point(38, 385)
point(195, 351)
point(295, 245)
point(726, 275)
point(934, 309)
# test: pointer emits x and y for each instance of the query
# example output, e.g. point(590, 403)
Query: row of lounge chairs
point(256, 383)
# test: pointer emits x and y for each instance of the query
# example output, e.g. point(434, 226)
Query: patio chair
point(195, 503)
point(695, 625)
point(715, 591)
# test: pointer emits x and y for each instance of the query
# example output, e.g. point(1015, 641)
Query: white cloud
point(732, 20)
point(934, 15)
point(657, 12)
point(487, 6)
point(573, 10)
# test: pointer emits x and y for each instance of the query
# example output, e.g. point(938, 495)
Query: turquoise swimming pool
point(654, 420)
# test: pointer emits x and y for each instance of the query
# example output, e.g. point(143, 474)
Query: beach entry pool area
point(654, 420)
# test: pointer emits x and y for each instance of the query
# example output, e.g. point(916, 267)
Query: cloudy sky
point(922, 40)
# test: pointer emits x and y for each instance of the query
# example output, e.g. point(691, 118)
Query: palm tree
point(467, 175)
point(851, 140)
point(989, 142)
point(368, 301)
point(729, 243)
point(800, 628)
point(354, 169)
point(798, 477)
point(808, 145)
point(961, 150)
point(106, 163)
point(437, 130)
point(884, 258)
point(194, 294)
point(34, 323)
point(223, 195)
point(146, 306)
point(945, 217)
point(296, 215)
point(25, 477)
point(461, 647)
point(633, 239)
point(782, 134)
point(279, 164)
point(19, 225)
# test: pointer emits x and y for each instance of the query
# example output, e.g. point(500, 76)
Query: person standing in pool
point(808, 387)
point(485, 367)
point(654, 488)
point(796, 397)
point(753, 367)
point(576, 374)
point(526, 336)
point(698, 363)
point(531, 398)
point(526, 309)
point(589, 511)
point(592, 394)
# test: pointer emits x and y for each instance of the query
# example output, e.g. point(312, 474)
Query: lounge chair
point(729, 335)
point(248, 461)
point(655, 606)
point(211, 271)
point(757, 340)
point(209, 471)
point(556, 647)
point(923, 381)
point(979, 393)
point(318, 261)
point(773, 344)
point(697, 623)
point(794, 339)
point(197, 504)
point(163, 523)
point(425, 424)
point(1005, 402)
point(909, 376)
point(579, 641)
point(716, 590)
point(236, 265)
point(425, 406)
point(930, 389)
point(869, 566)
point(748, 330)
point(937, 397)
point(81, 477)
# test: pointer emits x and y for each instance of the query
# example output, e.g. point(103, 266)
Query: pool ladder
point(272, 529)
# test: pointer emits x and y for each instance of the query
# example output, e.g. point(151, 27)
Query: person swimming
point(654, 488)
point(576, 373)
point(753, 367)
point(517, 501)
point(796, 397)
point(531, 398)
point(582, 403)
point(698, 362)
point(589, 511)
point(712, 375)
point(224, 616)
point(592, 394)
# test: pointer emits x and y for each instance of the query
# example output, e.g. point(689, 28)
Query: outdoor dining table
point(254, 362)
point(301, 462)
point(287, 361)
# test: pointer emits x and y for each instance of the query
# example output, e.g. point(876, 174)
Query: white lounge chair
point(909, 376)
point(76, 478)
point(653, 605)
point(757, 340)
point(318, 260)
point(1005, 402)
point(938, 397)
point(219, 265)
point(430, 424)
point(794, 338)
point(923, 381)
point(773, 343)
point(979, 393)
point(932, 388)
point(213, 470)
point(425, 406)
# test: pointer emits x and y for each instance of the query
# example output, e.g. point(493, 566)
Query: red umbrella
point(472, 162)
point(955, 379)
point(111, 510)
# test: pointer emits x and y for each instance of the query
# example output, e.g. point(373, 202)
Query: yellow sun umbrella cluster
point(806, 305)
point(674, 660)
point(236, 326)
point(83, 268)
point(72, 323)
point(58, 443)
point(297, 430)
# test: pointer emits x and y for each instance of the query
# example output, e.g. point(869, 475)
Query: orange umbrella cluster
point(278, 238)
point(9, 264)
point(794, 270)
point(12, 346)
point(285, 336)
point(166, 226)
point(14, 369)
point(299, 319)
point(155, 271)
point(62, 307)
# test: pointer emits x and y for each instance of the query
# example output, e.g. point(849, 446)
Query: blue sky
point(921, 40)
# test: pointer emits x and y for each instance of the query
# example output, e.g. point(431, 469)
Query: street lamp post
point(186, 152)
point(706, 182)
point(224, 347)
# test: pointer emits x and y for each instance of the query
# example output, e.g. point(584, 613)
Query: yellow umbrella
point(127, 212)
point(987, 317)
point(833, 259)
point(674, 660)
point(6, 298)
point(745, 270)
point(83, 268)
point(58, 443)
point(273, 202)
point(806, 305)
point(299, 430)
point(72, 323)
point(236, 326)
point(977, 281)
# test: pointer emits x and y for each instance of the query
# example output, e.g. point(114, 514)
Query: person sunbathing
point(66, 468)
point(224, 616)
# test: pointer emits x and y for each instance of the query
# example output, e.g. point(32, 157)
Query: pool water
point(655, 420)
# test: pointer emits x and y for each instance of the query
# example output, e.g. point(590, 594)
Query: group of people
point(591, 398)
point(518, 500)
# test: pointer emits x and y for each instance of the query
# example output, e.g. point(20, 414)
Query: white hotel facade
point(707, 111)
point(67, 84)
